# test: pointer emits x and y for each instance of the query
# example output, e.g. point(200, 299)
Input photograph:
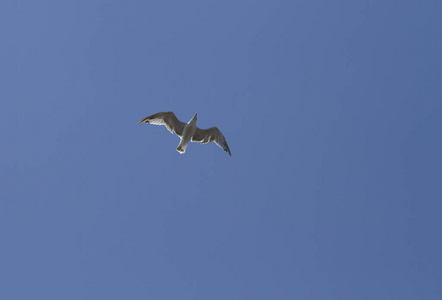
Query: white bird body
point(187, 132)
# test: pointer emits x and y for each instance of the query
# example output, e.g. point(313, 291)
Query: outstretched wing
point(212, 134)
point(167, 119)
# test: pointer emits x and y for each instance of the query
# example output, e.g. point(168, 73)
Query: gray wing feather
point(167, 119)
point(212, 134)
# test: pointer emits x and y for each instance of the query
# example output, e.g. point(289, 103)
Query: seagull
point(187, 132)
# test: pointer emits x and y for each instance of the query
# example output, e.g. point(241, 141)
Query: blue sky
point(332, 111)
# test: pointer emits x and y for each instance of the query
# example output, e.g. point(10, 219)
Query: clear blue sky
point(332, 111)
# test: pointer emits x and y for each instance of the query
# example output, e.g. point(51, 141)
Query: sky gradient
point(331, 109)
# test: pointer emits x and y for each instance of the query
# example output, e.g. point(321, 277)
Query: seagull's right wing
point(212, 134)
point(167, 119)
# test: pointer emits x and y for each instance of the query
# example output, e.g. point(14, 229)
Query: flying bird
point(187, 132)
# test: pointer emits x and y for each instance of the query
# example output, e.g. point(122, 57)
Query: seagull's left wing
point(167, 119)
point(212, 134)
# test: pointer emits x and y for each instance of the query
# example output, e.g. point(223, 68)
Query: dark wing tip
point(145, 120)
point(226, 148)
point(228, 151)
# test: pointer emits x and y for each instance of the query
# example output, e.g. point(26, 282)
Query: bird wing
point(212, 134)
point(167, 119)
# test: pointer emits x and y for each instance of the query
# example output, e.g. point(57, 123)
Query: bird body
point(187, 132)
